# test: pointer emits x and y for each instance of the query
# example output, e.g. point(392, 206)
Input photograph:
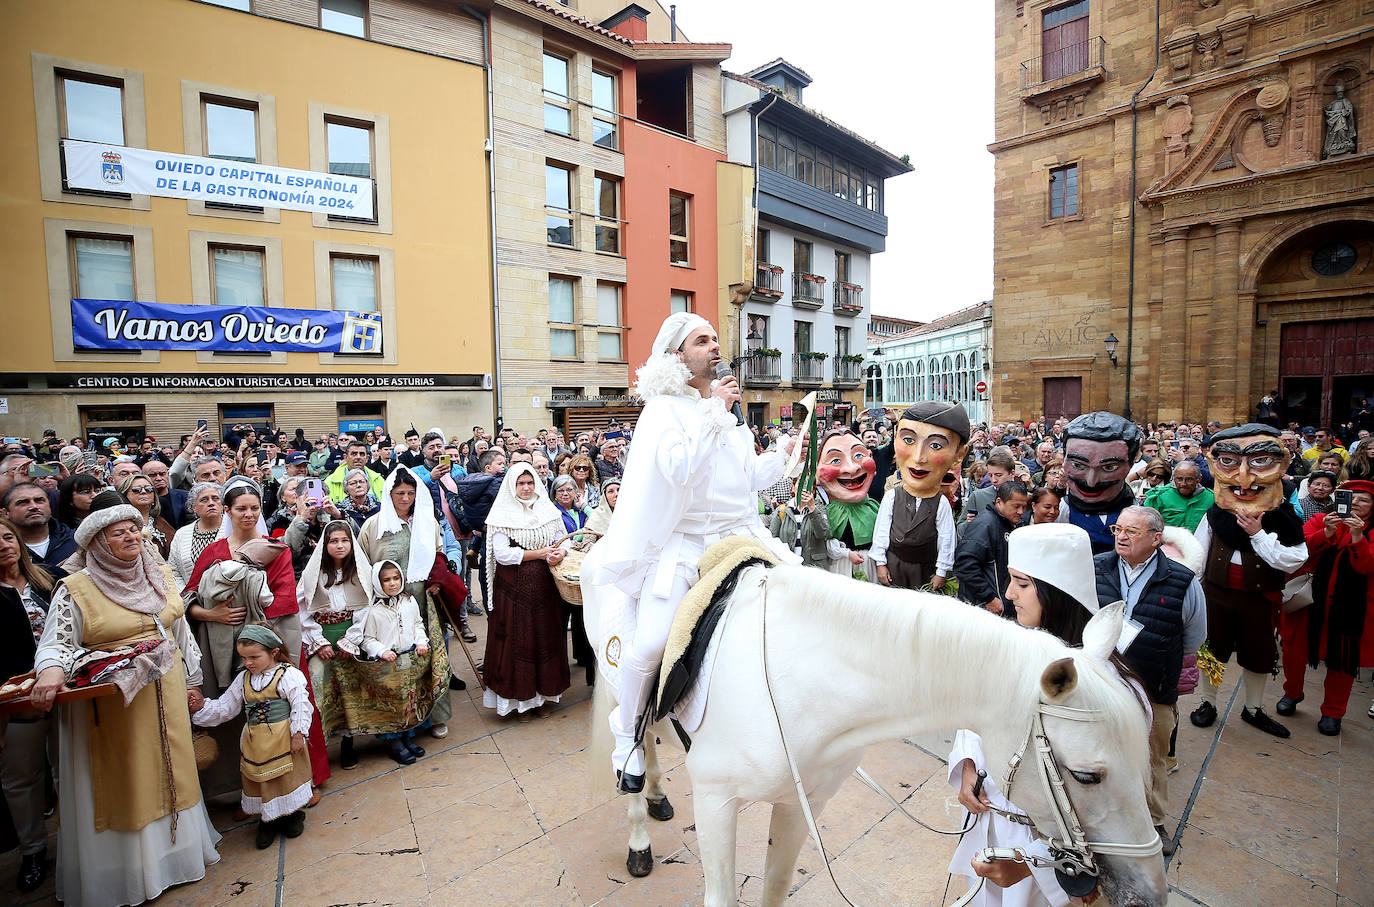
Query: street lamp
point(1110, 342)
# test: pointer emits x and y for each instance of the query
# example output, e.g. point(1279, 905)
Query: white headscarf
point(376, 584)
point(423, 528)
point(311, 591)
point(1057, 553)
point(510, 514)
point(225, 528)
point(663, 372)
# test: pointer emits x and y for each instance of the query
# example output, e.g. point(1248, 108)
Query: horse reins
point(1071, 853)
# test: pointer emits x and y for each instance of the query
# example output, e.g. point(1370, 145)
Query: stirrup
point(628, 784)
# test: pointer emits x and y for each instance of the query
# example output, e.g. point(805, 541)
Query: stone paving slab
point(500, 812)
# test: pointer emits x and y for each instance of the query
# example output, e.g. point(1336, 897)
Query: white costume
point(698, 484)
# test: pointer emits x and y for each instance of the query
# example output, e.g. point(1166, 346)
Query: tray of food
point(14, 694)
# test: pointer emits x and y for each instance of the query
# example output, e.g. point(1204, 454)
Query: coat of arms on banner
point(112, 168)
point(362, 333)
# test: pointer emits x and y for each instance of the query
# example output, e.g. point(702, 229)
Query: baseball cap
point(1308, 430)
point(295, 457)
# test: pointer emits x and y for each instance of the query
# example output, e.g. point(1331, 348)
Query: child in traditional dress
point(272, 694)
point(390, 627)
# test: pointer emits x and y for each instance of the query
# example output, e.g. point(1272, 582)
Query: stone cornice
point(1344, 179)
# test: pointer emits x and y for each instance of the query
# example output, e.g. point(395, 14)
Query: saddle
point(698, 615)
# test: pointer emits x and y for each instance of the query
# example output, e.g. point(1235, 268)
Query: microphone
point(723, 371)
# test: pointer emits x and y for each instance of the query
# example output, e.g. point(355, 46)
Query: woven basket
point(205, 748)
point(567, 575)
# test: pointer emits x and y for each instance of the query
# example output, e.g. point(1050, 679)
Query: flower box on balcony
point(814, 278)
point(814, 355)
point(767, 352)
point(852, 357)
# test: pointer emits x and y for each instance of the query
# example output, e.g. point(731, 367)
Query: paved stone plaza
point(499, 813)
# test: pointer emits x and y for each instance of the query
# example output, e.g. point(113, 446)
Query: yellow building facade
point(398, 96)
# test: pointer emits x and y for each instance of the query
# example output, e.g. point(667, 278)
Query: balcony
point(767, 283)
point(1076, 64)
point(762, 370)
point(848, 373)
point(808, 291)
point(808, 369)
point(849, 299)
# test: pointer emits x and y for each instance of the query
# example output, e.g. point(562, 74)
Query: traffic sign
point(982, 387)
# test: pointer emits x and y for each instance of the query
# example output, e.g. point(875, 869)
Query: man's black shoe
point(628, 784)
point(415, 749)
point(1258, 719)
point(348, 759)
point(33, 871)
point(457, 683)
point(1288, 705)
point(1204, 715)
point(401, 753)
point(1330, 727)
point(1166, 840)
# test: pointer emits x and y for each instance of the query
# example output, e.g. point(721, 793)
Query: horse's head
point(1098, 732)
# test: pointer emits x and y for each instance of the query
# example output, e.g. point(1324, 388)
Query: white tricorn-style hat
point(1059, 554)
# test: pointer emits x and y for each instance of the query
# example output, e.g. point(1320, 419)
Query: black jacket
point(1157, 652)
point(61, 545)
point(980, 560)
point(17, 647)
point(173, 504)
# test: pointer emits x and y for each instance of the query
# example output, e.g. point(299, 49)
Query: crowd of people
point(261, 595)
point(253, 598)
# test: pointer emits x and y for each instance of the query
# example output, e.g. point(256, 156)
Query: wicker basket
point(205, 749)
point(567, 574)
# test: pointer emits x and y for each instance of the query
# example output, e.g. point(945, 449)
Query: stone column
point(1229, 382)
point(1172, 383)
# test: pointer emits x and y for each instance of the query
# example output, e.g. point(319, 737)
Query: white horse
point(851, 664)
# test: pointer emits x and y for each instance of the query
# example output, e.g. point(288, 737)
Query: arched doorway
point(1313, 291)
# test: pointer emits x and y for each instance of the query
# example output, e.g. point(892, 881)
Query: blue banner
point(103, 324)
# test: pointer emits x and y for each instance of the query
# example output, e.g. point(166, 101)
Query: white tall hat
point(675, 330)
point(1060, 554)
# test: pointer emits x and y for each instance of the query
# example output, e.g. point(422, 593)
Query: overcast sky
point(915, 77)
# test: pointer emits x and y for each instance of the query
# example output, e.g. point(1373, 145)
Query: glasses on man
point(1132, 532)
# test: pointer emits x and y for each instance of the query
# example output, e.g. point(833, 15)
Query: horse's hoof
point(661, 810)
point(640, 862)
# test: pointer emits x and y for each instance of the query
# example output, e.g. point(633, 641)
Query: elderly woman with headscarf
point(242, 541)
point(138, 491)
point(134, 823)
point(575, 518)
point(359, 502)
point(406, 531)
point(192, 539)
point(526, 664)
point(600, 519)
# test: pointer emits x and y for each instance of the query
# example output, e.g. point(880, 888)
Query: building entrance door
point(1063, 398)
point(757, 417)
point(1324, 367)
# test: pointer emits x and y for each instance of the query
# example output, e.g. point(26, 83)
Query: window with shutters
point(1064, 40)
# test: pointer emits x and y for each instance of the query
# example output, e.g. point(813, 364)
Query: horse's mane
point(973, 647)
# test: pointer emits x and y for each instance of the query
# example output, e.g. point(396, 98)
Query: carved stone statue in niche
point(1340, 126)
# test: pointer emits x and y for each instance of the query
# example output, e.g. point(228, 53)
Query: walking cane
point(443, 606)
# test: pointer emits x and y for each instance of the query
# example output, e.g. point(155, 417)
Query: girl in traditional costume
point(332, 590)
point(272, 695)
point(389, 629)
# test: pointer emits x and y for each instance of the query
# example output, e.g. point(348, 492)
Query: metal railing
point(807, 369)
point(808, 290)
point(846, 372)
point(762, 371)
point(849, 298)
point(768, 281)
point(1063, 62)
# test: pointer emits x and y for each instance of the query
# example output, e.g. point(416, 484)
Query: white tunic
point(381, 627)
point(693, 479)
point(992, 830)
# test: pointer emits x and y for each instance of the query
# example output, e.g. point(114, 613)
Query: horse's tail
point(600, 742)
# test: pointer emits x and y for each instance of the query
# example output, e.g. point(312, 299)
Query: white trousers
point(639, 667)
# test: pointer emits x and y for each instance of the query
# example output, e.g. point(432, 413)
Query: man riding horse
point(697, 483)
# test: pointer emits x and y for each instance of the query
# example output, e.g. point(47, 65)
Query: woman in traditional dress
point(574, 518)
point(243, 525)
point(133, 821)
point(526, 664)
point(332, 588)
point(191, 540)
point(406, 531)
point(138, 490)
point(600, 520)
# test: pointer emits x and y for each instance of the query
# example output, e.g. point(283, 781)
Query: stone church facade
point(1199, 188)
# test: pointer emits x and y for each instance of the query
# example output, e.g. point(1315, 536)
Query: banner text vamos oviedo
point(236, 328)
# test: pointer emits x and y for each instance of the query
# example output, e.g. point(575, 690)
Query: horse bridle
point(1072, 854)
